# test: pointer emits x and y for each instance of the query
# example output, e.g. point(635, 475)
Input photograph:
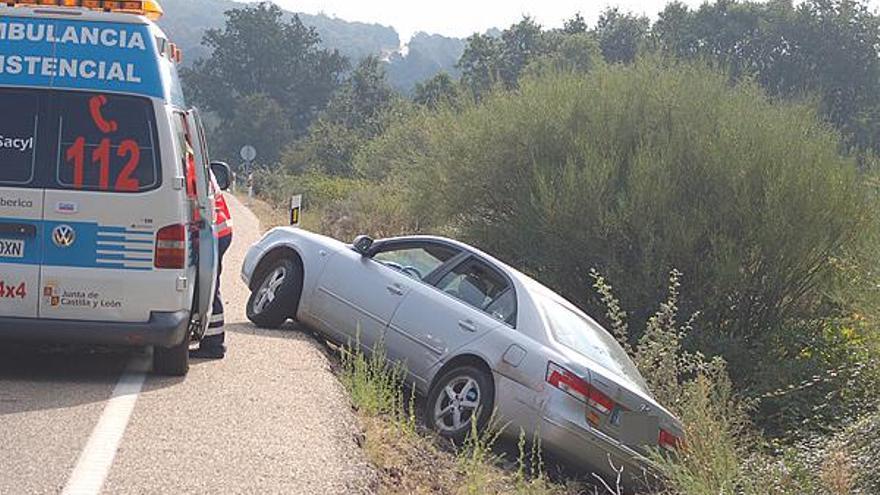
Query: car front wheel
point(277, 294)
point(459, 397)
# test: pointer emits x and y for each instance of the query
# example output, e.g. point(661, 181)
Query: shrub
point(634, 170)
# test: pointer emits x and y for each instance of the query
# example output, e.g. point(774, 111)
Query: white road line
point(96, 459)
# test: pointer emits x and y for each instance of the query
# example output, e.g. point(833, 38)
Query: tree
point(489, 61)
point(830, 48)
point(256, 120)
point(575, 53)
point(520, 44)
point(258, 53)
point(621, 35)
point(575, 25)
point(480, 64)
point(356, 113)
point(439, 90)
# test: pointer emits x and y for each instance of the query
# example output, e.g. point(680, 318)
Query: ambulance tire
point(283, 305)
point(172, 361)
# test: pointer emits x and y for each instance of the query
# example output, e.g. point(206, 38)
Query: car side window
point(416, 261)
point(475, 283)
point(504, 307)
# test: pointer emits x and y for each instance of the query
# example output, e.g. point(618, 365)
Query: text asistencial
point(82, 68)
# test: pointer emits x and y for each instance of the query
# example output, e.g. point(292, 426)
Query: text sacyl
point(16, 143)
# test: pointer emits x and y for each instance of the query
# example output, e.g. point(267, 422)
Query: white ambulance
point(105, 209)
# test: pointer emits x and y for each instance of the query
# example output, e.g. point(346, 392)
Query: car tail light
point(578, 388)
point(669, 441)
point(171, 247)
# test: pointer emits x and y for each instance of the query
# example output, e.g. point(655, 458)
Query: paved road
point(270, 418)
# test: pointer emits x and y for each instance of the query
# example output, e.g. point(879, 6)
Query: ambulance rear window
point(18, 135)
point(107, 142)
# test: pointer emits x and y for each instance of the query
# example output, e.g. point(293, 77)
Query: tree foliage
point(258, 53)
point(621, 35)
point(356, 113)
point(439, 90)
point(826, 47)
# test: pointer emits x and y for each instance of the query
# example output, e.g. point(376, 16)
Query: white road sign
point(248, 153)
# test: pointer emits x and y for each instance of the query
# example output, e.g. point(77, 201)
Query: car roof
point(521, 277)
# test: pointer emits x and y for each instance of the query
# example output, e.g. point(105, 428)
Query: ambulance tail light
point(147, 8)
point(171, 247)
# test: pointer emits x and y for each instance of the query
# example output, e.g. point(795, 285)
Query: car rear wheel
point(172, 361)
point(277, 294)
point(459, 397)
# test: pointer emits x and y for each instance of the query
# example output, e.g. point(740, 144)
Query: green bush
point(637, 169)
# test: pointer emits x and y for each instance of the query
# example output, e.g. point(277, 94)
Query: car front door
point(357, 295)
point(22, 153)
point(463, 304)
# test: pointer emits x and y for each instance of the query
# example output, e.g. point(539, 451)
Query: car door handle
point(467, 325)
point(395, 289)
point(25, 229)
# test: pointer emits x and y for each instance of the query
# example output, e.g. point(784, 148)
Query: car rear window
point(586, 337)
point(107, 142)
point(18, 136)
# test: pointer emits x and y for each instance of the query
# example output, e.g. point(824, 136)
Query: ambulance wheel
point(172, 361)
point(277, 292)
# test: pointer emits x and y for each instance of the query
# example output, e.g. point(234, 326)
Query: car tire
point(172, 361)
point(283, 279)
point(471, 402)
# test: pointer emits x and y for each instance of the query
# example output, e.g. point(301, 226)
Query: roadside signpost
point(296, 210)
point(249, 154)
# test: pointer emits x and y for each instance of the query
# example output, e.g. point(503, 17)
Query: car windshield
point(586, 337)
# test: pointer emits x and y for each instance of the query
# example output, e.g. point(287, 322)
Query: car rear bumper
point(163, 329)
point(542, 415)
point(593, 448)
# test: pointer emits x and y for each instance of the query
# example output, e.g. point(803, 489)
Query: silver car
point(475, 335)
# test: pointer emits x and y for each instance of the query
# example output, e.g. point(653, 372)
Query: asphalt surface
point(270, 418)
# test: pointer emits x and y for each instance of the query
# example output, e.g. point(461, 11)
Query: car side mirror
point(223, 175)
point(362, 244)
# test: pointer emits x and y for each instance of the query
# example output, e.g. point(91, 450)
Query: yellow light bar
point(147, 8)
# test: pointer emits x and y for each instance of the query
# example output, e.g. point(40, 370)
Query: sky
point(461, 18)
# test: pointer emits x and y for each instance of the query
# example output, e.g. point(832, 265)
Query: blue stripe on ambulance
point(94, 247)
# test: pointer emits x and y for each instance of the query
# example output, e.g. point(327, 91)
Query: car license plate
point(11, 248)
point(615, 416)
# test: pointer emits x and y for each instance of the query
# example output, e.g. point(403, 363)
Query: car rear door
point(22, 154)
point(467, 301)
point(104, 204)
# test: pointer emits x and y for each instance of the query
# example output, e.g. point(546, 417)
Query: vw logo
point(63, 236)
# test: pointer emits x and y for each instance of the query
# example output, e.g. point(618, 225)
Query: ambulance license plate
point(11, 248)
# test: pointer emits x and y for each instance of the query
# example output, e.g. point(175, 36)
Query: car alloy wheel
point(457, 405)
point(268, 290)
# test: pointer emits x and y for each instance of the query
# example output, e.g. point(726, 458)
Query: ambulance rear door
point(23, 153)
point(207, 266)
point(106, 208)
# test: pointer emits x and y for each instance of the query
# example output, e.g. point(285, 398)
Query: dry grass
point(269, 215)
point(837, 473)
